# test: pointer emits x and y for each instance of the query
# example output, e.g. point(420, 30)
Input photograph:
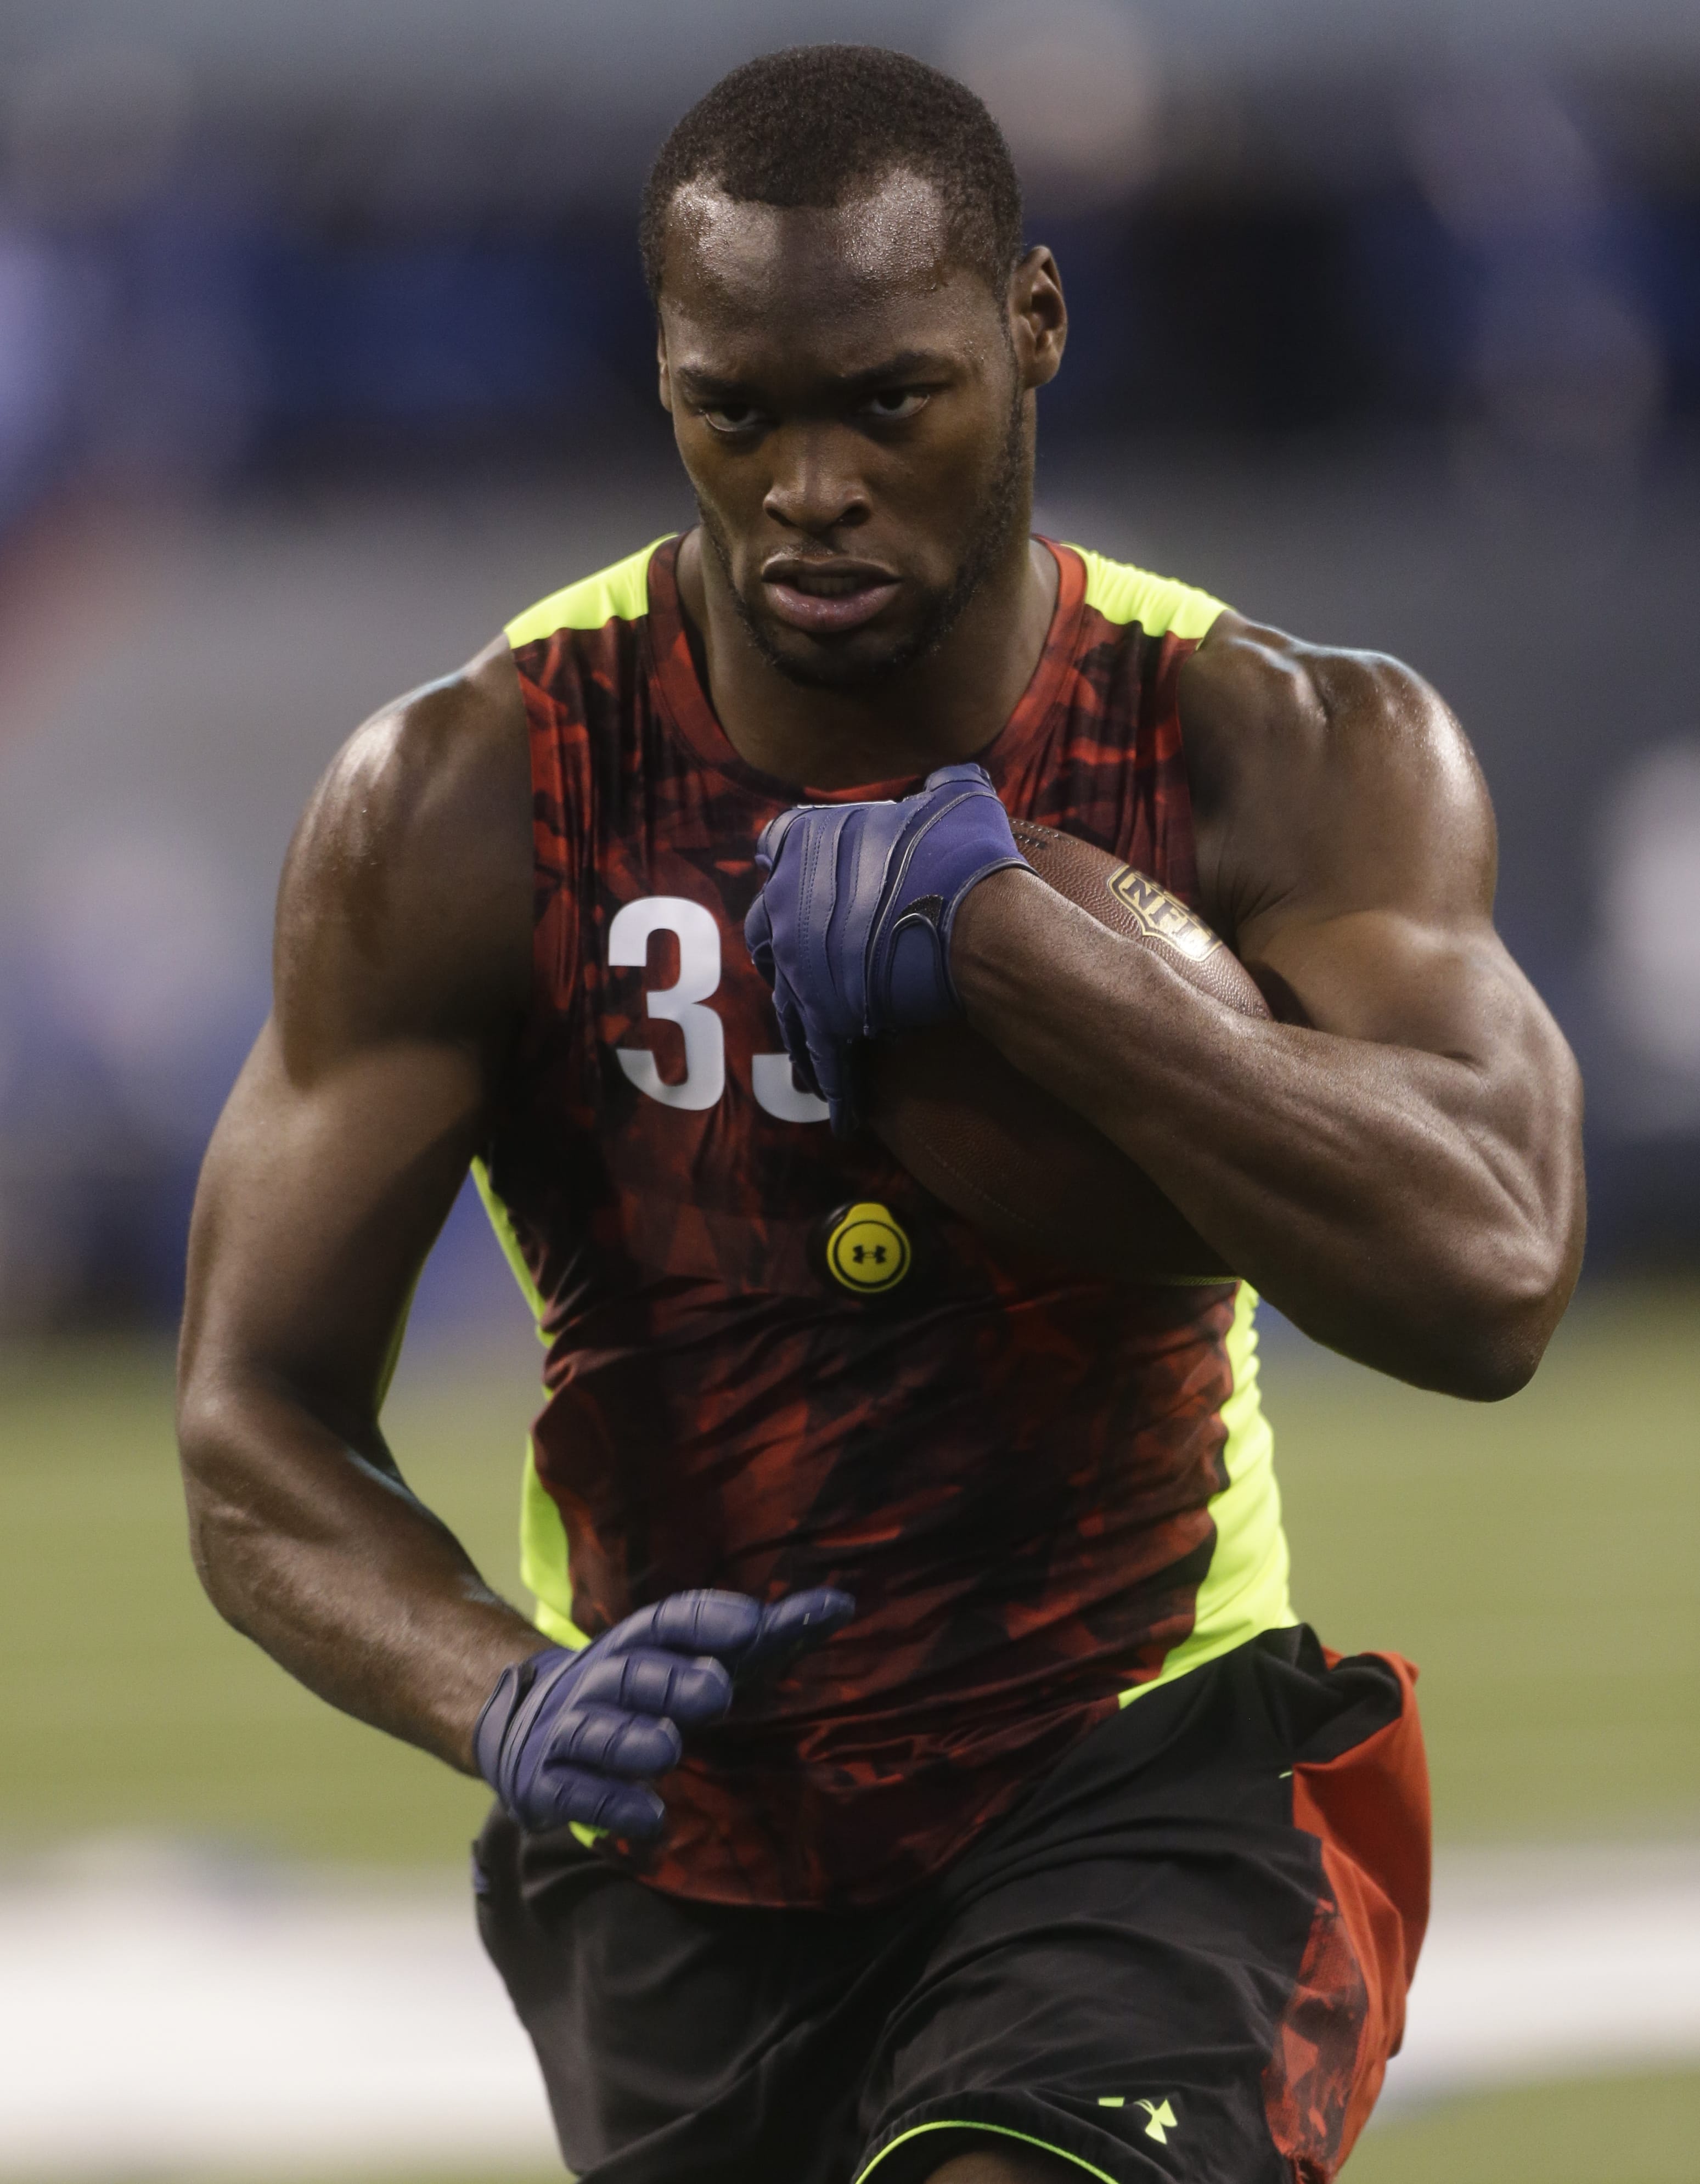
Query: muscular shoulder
point(1326, 781)
point(406, 905)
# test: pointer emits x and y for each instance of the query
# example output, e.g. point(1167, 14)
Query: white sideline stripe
point(157, 2015)
point(153, 2024)
point(1547, 1964)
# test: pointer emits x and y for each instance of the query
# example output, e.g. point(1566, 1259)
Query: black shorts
point(1183, 1957)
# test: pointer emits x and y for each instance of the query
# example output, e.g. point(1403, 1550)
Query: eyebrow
point(908, 363)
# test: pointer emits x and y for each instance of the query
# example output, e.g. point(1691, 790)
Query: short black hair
point(816, 125)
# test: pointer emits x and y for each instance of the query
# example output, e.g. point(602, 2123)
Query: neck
point(945, 708)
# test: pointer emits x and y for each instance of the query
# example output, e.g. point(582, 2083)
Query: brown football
point(1005, 1154)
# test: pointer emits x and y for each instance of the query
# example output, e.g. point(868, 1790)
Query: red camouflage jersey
point(774, 1360)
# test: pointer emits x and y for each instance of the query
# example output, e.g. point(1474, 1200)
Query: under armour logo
point(862, 1252)
point(1159, 2120)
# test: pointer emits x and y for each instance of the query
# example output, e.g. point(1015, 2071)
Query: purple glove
point(852, 927)
point(573, 1737)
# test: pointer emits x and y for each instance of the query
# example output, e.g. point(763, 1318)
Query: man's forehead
point(743, 254)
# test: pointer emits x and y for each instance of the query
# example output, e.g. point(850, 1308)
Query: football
point(1002, 1152)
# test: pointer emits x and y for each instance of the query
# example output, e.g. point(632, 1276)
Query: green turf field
point(1536, 1558)
point(1607, 2130)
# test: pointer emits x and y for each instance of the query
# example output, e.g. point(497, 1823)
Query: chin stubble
point(993, 524)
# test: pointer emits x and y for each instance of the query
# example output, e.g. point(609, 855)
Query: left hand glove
point(852, 927)
point(575, 1737)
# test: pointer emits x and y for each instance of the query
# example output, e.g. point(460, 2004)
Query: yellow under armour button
point(868, 1250)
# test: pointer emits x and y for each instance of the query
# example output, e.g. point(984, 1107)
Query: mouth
point(825, 597)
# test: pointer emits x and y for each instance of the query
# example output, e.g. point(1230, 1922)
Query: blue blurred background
point(323, 348)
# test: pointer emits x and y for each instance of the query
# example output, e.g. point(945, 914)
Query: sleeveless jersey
point(774, 1361)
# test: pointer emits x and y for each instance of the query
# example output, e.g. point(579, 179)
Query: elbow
point(218, 1518)
point(1478, 1359)
point(1489, 1370)
point(1501, 1320)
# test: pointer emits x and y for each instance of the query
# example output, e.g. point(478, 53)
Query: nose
point(816, 486)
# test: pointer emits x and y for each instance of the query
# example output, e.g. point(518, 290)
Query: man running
point(914, 1767)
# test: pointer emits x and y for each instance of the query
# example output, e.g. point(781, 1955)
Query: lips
point(826, 597)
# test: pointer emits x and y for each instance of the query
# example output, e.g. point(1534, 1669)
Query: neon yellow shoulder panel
point(1124, 593)
point(1244, 1590)
point(620, 593)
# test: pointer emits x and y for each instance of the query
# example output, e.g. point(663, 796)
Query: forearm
point(1385, 1198)
point(309, 1544)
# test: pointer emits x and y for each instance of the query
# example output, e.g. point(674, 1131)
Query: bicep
point(1395, 978)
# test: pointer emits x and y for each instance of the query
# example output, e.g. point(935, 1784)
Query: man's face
point(852, 411)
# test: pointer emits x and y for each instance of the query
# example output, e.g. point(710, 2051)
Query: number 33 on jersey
point(685, 1003)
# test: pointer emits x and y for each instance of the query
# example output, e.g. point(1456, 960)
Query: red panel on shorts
point(1370, 1808)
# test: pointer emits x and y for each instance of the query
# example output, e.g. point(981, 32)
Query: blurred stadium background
point(323, 348)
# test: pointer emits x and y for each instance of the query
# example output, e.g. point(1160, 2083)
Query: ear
point(1039, 317)
point(665, 387)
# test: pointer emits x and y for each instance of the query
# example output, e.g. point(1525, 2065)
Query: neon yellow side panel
point(618, 594)
point(1244, 1590)
point(542, 1537)
point(1122, 593)
point(503, 1222)
point(542, 1559)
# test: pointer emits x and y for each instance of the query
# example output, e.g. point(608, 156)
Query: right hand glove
point(852, 927)
point(570, 1738)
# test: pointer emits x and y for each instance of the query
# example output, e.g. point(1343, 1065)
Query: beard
point(1001, 507)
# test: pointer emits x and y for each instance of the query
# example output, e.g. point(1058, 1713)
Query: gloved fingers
point(794, 1034)
point(701, 1621)
point(965, 770)
point(798, 1622)
point(771, 839)
point(822, 1062)
point(611, 1741)
point(864, 849)
point(729, 1624)
point(841, 1088)
point(593, 1801)
point(647, 1681)
point(758, 936)
point(829, 1066)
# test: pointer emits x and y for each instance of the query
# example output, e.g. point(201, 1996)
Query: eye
point(895, 405)
point(730, 418)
